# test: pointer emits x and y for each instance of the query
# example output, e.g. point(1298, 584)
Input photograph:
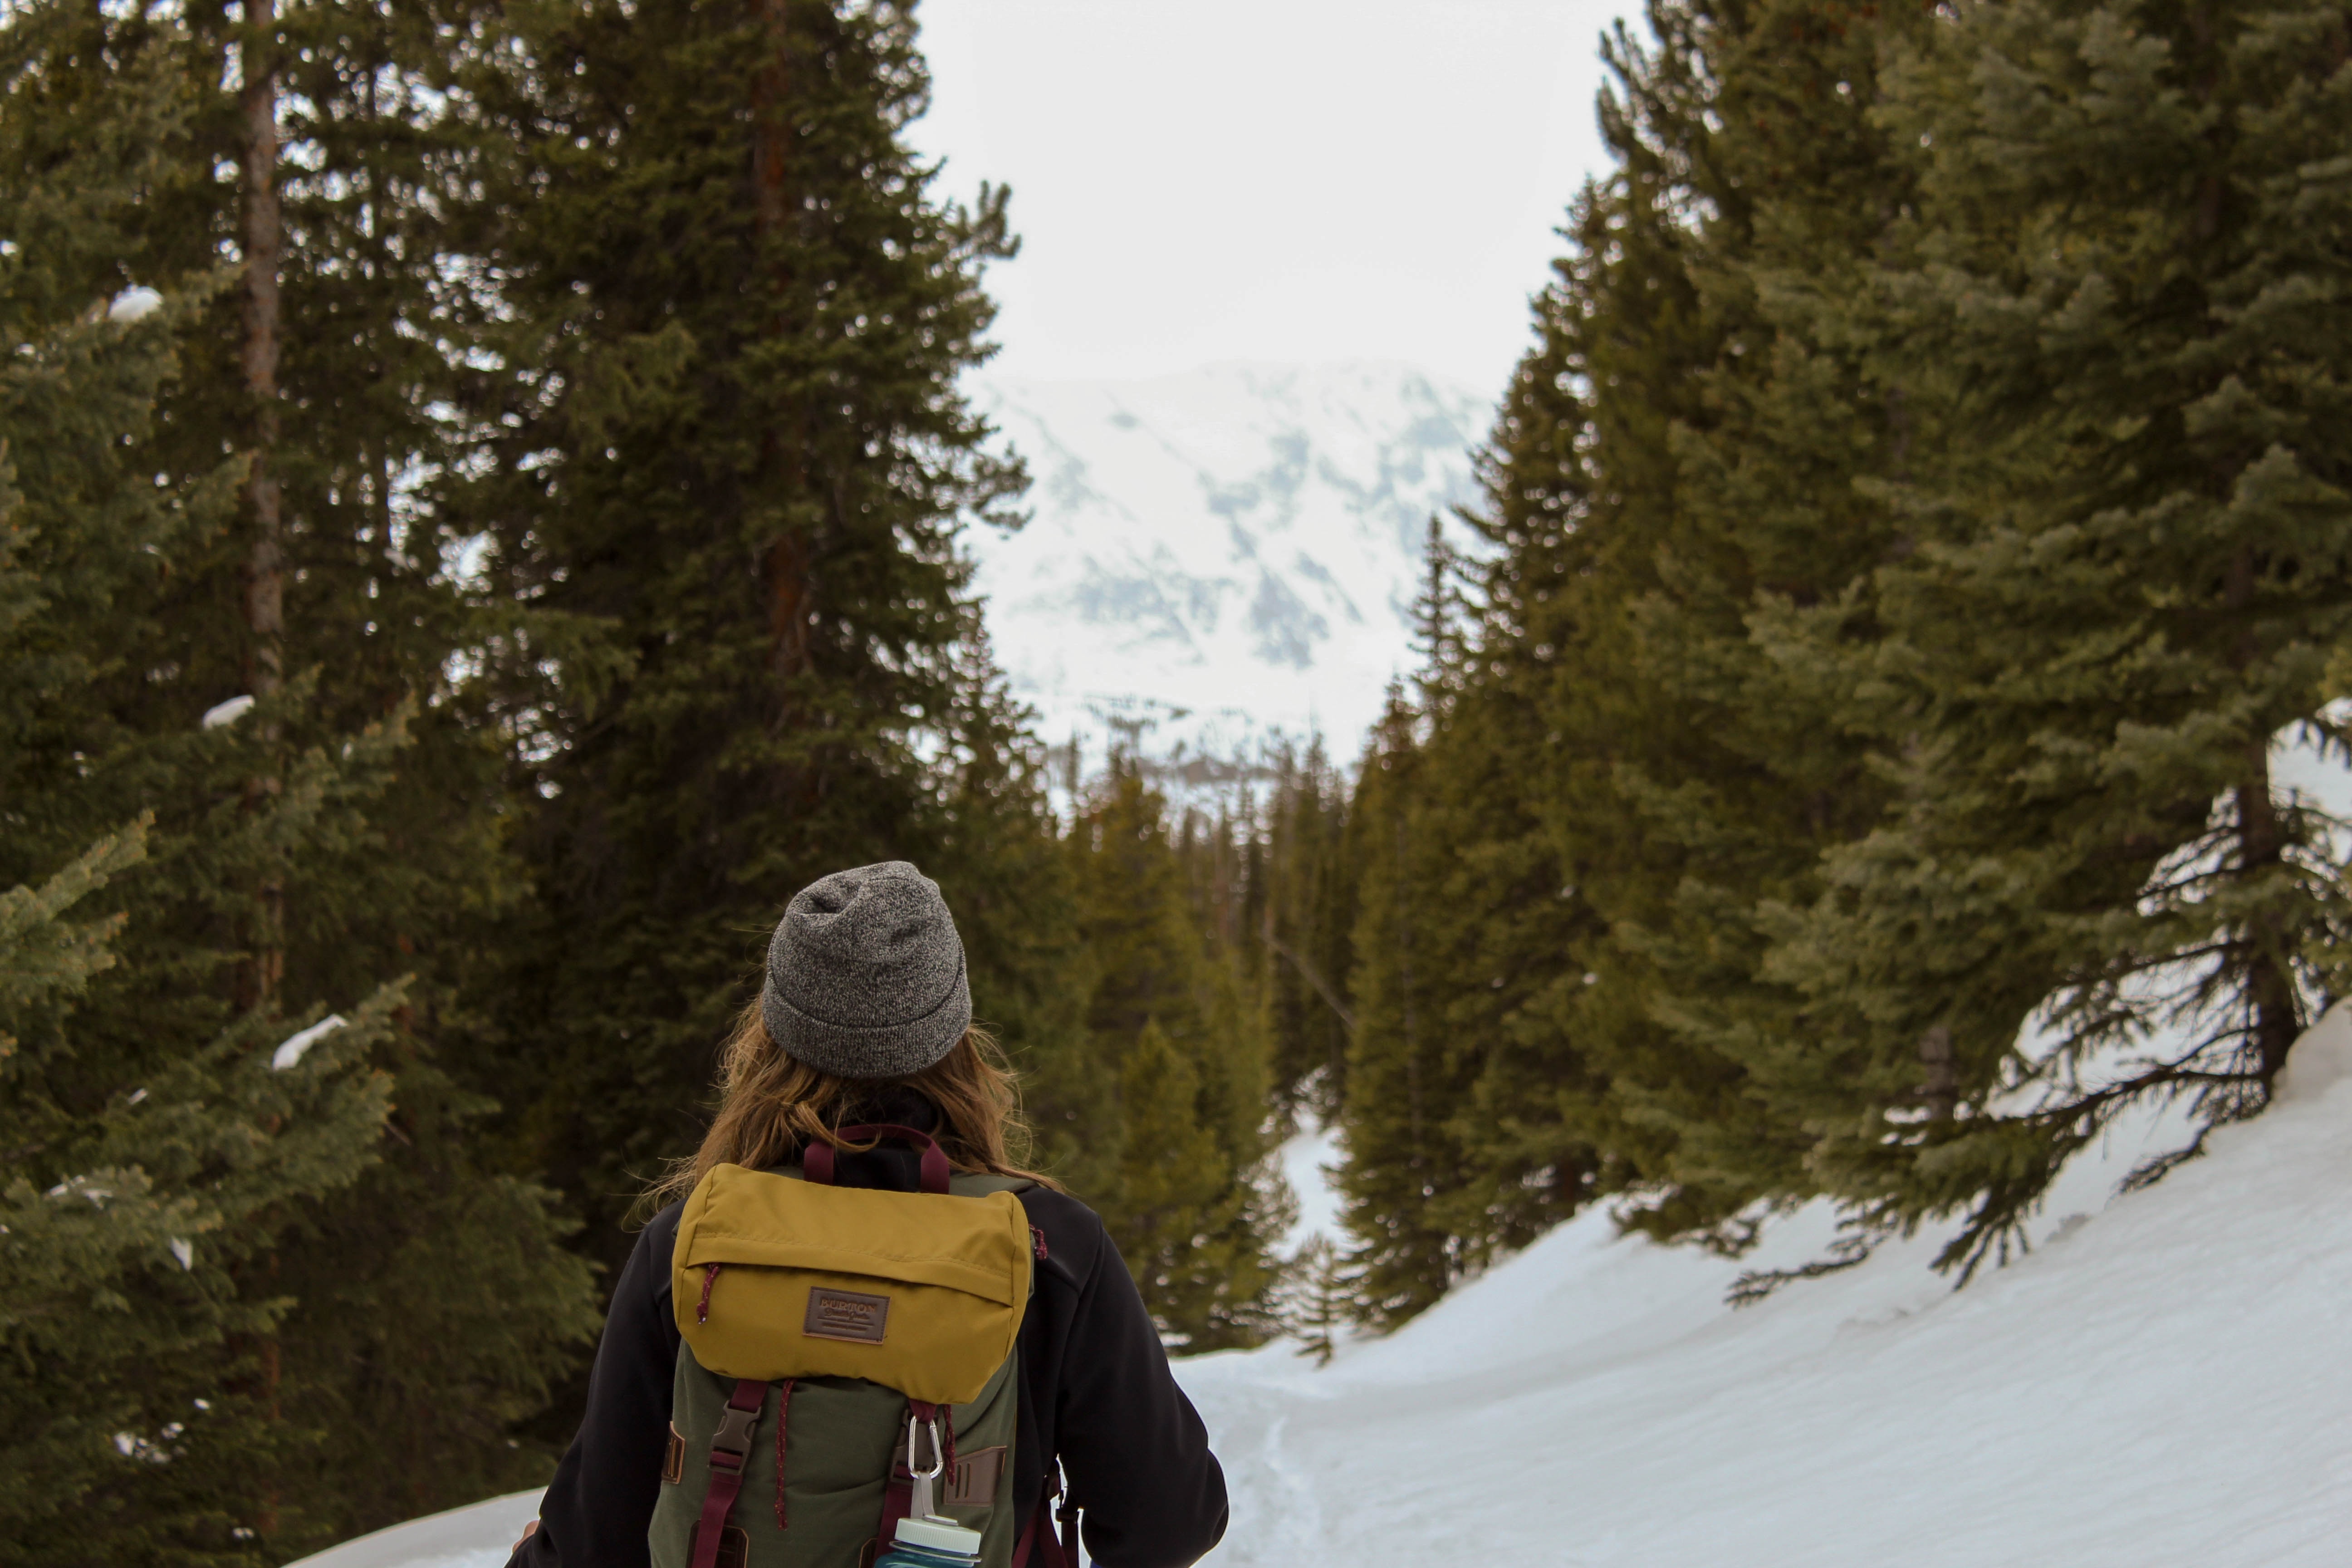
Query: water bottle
point(931, 1542)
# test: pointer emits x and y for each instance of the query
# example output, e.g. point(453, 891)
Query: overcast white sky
point(1283, 180)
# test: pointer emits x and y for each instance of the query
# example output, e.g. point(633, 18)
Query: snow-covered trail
point(2166, 1383)
point(2163, 1384)
point(479, 1535)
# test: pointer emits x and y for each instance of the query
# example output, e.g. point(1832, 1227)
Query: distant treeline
point(480, 516)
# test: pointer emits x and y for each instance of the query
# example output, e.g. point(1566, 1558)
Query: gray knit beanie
point(865, 975)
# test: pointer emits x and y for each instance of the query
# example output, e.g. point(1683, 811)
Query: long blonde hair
point(770, 1107)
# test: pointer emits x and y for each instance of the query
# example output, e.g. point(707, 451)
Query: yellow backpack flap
point(777, 1278)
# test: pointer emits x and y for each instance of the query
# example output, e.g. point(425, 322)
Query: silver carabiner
point(922, 1501)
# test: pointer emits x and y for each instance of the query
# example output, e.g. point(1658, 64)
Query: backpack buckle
point(731, 1444)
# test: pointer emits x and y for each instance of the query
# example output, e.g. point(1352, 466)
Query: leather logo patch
point(972, 1483)
point(674, 1461)
point(846, 1315)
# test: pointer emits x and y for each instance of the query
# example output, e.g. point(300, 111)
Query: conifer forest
point(482, 499)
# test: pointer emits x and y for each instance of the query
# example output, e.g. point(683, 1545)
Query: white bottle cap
point(936, 1534)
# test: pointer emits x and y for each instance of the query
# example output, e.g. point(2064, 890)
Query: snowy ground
point(481, 1536)
point(2162, 1383)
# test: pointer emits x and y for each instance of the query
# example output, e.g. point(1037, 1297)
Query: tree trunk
point(2274, 1018)
point(790, 585)
point(2270, 984)
point(1404, 992)
point(788, 569)
point(770, 91)
point(264, 570)
point(1941, 1091)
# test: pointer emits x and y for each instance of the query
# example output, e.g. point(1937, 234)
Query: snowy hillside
point(1224, 552)
point(2162, 1383)
point(2163, 1386)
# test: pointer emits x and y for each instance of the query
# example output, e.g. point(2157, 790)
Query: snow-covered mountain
point(1221, 554)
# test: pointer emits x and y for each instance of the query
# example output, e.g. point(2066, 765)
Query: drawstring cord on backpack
point(702, 1310)
point(783, 1409)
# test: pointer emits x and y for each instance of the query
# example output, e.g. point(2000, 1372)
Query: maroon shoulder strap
point(730, 1451)
point(817, 1160)
point(1038, 1537)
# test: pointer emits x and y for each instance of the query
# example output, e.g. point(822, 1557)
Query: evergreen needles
point(1920, 531)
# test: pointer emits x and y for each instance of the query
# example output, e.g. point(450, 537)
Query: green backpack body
point(827, 1333)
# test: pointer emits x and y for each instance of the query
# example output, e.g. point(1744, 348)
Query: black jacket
point(1094, 1389)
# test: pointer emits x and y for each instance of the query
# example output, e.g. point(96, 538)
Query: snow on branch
point(291, 1050)
point(134, 304)
point(226, 714)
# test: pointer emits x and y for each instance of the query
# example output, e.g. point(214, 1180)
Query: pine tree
point(728, 468)
point(141, 1199)
point(157, 1154)
point(2128, 575)
point(1743, 776)
point(1631, 772)
point(1532, 1125)
point(1582, 1089)
point(1157, 1115)
point(1405, 1075)
point(322, 818)
point(1173, 1180)
point(1320, 1299)
point(1462, 1126)
point(1302, 921)
point(1019, 921)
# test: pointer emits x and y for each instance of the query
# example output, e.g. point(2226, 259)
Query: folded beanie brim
point(869, 1051)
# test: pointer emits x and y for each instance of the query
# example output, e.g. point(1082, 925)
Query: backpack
point(848, 1358)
